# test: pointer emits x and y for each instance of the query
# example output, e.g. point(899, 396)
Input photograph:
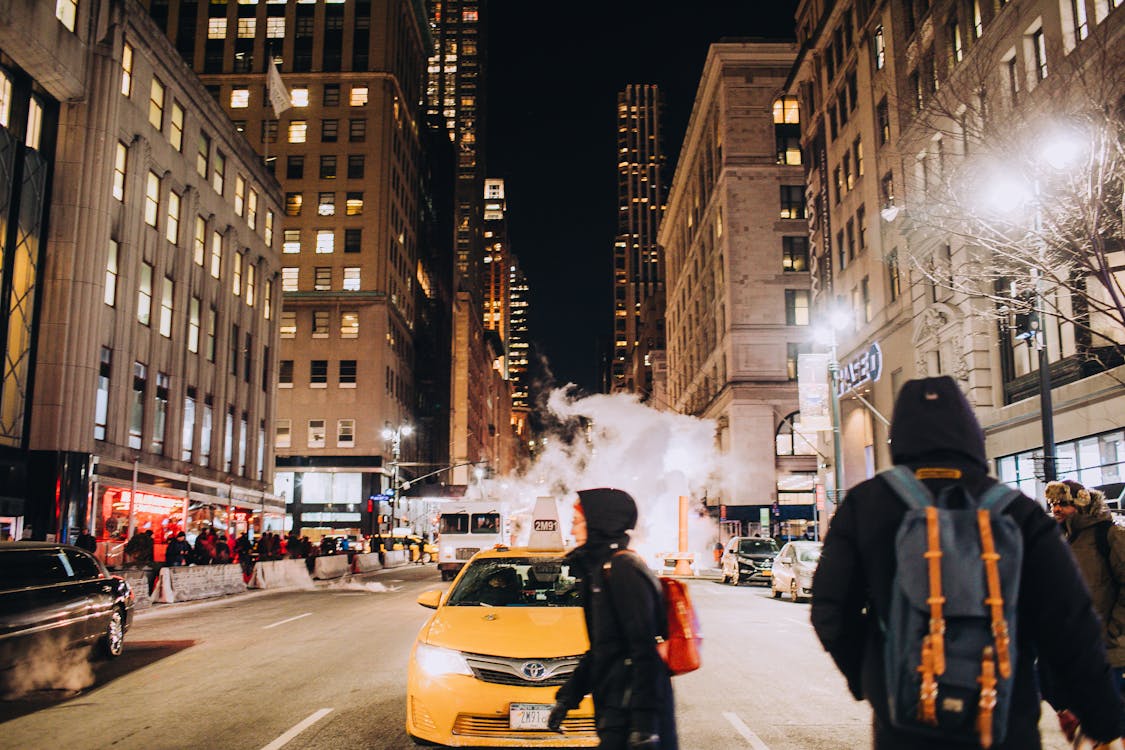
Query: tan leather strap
point(995, 599)
point(935, 599)
point(927, 694)
point(987, 703)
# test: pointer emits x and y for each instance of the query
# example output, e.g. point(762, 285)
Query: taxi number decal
point(546, 524)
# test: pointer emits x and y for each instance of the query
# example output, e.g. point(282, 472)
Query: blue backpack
point(950, 650)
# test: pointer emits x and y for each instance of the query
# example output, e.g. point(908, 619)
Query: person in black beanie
point(632, 688)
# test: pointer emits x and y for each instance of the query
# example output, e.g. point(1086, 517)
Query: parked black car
point(749, 559)
point(59, 592)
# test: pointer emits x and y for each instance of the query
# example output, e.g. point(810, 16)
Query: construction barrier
point(366, 563)
point(330, 566)
point(395, 558)
point(140, 585)
point(273, 574)
point(190, 582)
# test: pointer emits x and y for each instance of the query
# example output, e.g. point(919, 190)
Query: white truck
point(464, 529)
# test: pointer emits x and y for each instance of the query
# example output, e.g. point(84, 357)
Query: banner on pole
point(812, 392)
point(278, 94)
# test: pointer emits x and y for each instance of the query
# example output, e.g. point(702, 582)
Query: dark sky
point(554, 70)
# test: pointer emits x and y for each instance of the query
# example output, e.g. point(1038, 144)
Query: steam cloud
point(616, 441)
point(48, 665)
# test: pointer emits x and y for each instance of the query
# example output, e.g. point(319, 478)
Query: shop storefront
point(1094, 461)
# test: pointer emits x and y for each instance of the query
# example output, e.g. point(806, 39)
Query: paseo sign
point(866, 367)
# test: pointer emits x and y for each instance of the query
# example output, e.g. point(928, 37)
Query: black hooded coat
point(624, 610)
point(934, 426)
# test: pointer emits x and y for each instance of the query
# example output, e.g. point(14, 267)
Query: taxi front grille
point(497, 726)
point(501, 670)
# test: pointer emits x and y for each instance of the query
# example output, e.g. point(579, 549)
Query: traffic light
point(370, 504)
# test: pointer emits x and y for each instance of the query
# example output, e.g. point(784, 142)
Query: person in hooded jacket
point(1099, 549)
point(934, 428)
point(624, 609)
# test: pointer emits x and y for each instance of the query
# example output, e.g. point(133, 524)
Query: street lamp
point(837, 319)
point(1007, 193)
point(395, 436)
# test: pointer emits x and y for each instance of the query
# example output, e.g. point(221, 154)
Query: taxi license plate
point(528, 715)
point(767, 573)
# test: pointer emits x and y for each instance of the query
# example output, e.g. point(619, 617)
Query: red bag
point(680, 649)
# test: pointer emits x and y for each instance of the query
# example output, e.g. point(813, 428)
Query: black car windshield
point(757, 547)
point(517, 582)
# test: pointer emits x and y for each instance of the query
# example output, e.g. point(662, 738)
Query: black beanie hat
point(609, 513)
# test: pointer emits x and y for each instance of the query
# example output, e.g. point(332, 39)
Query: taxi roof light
point(546, 535)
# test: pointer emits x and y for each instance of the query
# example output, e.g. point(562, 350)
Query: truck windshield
point(485, 523)
point(454, 523)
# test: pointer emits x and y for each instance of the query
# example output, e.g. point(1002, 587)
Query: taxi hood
point(517, 632)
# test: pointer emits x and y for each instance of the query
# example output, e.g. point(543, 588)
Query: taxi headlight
point(435, 661)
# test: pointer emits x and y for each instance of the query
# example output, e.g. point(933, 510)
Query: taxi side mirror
point(430, 599)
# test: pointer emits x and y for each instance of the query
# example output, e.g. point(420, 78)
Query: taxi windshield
point(517, 582)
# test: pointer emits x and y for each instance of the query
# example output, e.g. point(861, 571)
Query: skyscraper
point(346, 151)
point(638, 264)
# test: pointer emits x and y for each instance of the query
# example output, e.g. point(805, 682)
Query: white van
point(464, 529)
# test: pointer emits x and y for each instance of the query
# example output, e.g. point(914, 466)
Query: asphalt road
point(326, 669)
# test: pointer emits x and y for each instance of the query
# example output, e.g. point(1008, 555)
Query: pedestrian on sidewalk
point(86, 541)
point(179, 551)
point(624, 609)
point(935, 434)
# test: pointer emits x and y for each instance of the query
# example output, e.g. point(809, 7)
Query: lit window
point(101, 401)
point(469, 16)
point(250, 274)
point(268, 234)
point(351, 279)
point(252, 210)
point(1039, 44)
point(218, 177)
point(796, 307)
point(345, 433)
point(236, 274)
point(111, 275)
point(267, 301)
point(298, 131)
point(283, 434)
point(325, 241)
point(193, 325)
point(166, 308)
point(316, 433)
point(216, 28)
point(322, 282)
point(288, 324)
point(289, 279)
point(299, 97)
point(359, 96)
point(127, 70)
point(354, 204)
point(120, 160)
point(275, 27)
point(156, 105)
point(199, 243)
point(172, 228)
point(239, 194)
point(34, 123)
point(786, 111)
point(152, 199)
point(293, 204)
point(880, 49)
point(292, 242)
point(203, 155)
point(144, 295)
point(326, 204)
point(5, 99)
point(176, 137)
point(320, 331)
point(247, 28)
point(239, 98)
point(349, 325)
point(66, 11)
point(216, 254)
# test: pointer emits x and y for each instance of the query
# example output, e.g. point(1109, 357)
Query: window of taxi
point(517, 582)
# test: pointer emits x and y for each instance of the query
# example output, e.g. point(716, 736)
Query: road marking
point(740, 727)
point(283, 740)
point(291, 619)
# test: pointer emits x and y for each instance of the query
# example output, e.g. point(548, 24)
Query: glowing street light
point(836, 319)
point(395, 436)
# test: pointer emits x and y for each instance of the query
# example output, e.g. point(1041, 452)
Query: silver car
point(793, 570)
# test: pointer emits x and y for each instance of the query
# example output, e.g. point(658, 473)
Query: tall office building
point(344, 144)
point(734, 239)
point(638, 264)
point(900, 100)
point(141, 286)
point(495, 273)
point(519, 353)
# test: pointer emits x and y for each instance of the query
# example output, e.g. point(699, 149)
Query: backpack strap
point(995, 598)
point(997, 497)
point(908, 487)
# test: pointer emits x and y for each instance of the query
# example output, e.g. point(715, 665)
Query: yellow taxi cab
point(509, 631)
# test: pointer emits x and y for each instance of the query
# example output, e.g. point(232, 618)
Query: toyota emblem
point(534, 670)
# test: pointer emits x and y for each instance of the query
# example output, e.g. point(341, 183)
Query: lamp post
point(395, 436)
point(836, 320)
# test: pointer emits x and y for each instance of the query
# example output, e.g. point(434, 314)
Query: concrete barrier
point(330, 566)
point(187, 583)
point(274, 574)
point(395, 558)
point(140, 585)
point(366, 563)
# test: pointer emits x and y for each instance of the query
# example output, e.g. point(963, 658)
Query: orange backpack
point(681, 645)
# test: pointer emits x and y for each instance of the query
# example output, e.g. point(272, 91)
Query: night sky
point(554, 70)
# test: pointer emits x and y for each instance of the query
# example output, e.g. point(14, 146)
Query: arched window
point(790, 441)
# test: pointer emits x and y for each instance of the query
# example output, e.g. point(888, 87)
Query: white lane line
point(740, 727)
point(282, 622)
point(283, 740)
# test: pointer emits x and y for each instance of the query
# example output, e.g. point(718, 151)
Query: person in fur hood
point(1099, 549)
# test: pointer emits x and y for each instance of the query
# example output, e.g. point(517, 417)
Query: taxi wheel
point(726, 578)
point(793, 590)
point(775, 591)
point(426, 557)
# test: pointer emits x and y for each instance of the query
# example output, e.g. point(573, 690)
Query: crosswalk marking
point(747, 734)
